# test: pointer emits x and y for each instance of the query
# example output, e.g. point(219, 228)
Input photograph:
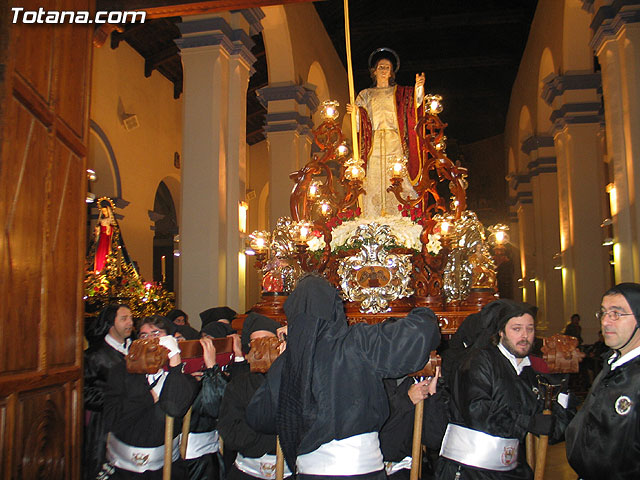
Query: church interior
point(191, 123)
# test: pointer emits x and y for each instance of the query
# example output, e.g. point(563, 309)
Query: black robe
point(204, 418)
point(396, 436)
point(236, 433)
point(98, 359)
point(131, 414)
point(345, 392)
point(489, 396)
point(602, 441)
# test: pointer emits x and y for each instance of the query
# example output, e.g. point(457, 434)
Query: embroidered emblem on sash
point(623, 405)
point(509, 455)
point(140, 459)
point(268, 469)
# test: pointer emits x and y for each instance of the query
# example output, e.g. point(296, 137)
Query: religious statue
point(103, 233)
point(387, 116)
point(483, 273)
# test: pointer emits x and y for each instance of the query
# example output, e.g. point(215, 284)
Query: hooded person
point(324, 395)
point(113, 329)
point(216, 330)
point(255, 451)
point(495, 400)
point(603, 440)
point(223, 315)
point(181, 319)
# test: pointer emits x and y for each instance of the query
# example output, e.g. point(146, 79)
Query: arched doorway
point(165, 228)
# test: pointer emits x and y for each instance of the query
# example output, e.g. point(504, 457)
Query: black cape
point(488, 395)
point(98, 359)
point(204, 418)
point(396, 436)
point(131, 414)
point(331, 374)
point(602, 441)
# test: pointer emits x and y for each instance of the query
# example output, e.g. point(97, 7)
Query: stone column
point(616, 42)
point(576, 126)
point(288, 131)
point(548, 281)
point(216, 65)
point(522, 201)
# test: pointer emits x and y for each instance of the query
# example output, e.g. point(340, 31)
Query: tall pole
point(352, 96)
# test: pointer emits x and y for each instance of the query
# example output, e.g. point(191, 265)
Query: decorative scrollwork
point(374, 276)
point(43, 455)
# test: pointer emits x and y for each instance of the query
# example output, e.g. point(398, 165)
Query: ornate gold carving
point(373, 276)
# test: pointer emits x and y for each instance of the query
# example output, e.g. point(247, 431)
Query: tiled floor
point(557, 466)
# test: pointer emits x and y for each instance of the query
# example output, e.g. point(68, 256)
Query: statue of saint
point(387, 114)
point(103, 233)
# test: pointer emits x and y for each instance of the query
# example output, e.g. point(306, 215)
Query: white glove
point(170, 342)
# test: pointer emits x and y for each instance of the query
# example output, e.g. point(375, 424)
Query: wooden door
point(44, 101)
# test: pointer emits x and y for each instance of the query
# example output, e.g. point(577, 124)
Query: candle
point(163, 263)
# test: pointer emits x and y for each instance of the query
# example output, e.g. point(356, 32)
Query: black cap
point(217, 313)
point(255, 322)
point(217, 329)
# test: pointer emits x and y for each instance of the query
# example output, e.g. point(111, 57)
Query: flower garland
point(406, 230)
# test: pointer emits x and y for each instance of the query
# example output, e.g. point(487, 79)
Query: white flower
point(433, 245)
point(407, 232)
point(316, 244)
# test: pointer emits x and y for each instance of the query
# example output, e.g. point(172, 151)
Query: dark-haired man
point(495, 402)
point(603, 440)
point(115, 324)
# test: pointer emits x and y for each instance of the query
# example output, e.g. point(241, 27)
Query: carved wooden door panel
point(44, 90)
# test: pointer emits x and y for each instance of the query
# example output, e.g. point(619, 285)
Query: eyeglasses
point(613, 314)
point(155, 333)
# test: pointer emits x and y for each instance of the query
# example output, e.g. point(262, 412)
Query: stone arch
point(277, 43)
point(512, 166)
point(525, 130)
point(165, 227)
point(102, 160)
point(263, 208)
point(317, 77)
point(544, 110)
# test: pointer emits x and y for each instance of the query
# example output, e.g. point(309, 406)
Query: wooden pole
point(168, 447)
point(541, 453)
point(279, 460)
point(352, 94)
point(531, 451)
point(416, 448)
point(184, 441)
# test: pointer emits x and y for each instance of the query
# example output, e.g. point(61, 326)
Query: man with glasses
point(603, 440)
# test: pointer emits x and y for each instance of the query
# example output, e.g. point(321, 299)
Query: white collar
point(525, 362)
point(113, 343)
point(627, 357)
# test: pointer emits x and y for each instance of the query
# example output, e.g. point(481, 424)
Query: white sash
point(202, 443)
point(263, 467)
point(395, 467)
point(138, 459)
point(479, 449)
point(350, 456)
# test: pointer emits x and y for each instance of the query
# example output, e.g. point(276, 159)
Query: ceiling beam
point(173, 8)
